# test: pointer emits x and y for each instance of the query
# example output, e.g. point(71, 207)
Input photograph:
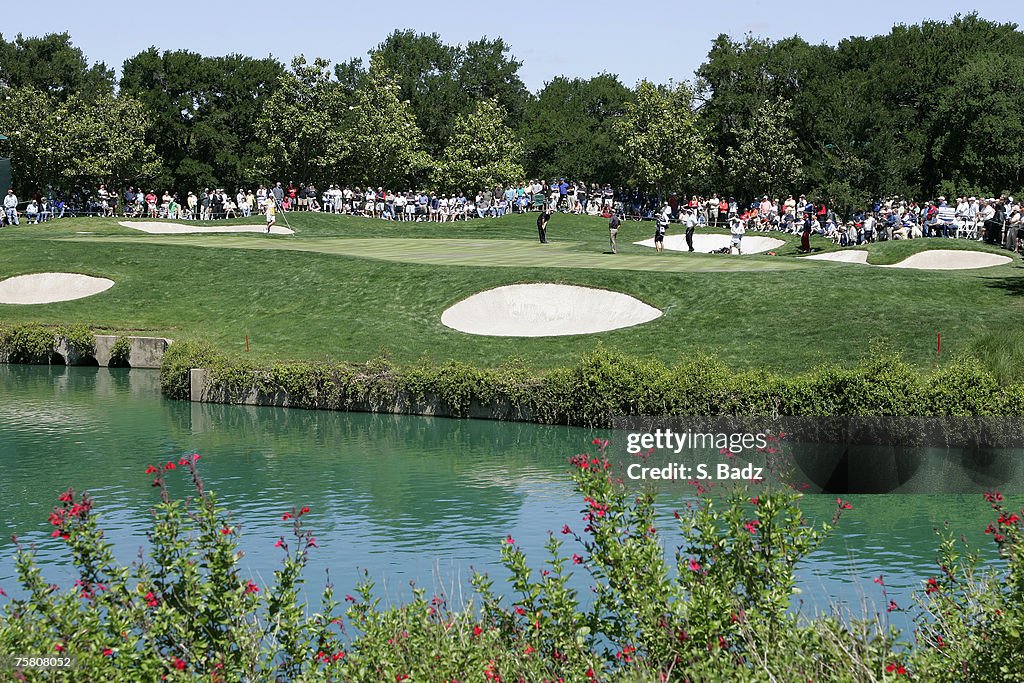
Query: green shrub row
point(36, 344)
point(604, 385)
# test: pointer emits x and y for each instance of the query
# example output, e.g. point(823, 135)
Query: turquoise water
point(405, 498)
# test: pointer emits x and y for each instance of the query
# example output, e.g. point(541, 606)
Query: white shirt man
point(11, 207)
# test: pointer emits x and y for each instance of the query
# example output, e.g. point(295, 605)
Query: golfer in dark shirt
point(613, 230)
point(542, 225)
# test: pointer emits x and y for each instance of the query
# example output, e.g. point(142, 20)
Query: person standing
point(542, 225)
point(660, 226)
point(691, 224)
point(613, 230)
point(737, 229)
point(270, 208)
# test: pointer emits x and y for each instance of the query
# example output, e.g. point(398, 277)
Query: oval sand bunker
point(47, 288)
point(546, 310)
point(751, 244)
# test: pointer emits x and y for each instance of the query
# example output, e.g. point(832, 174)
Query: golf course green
point(347, 288)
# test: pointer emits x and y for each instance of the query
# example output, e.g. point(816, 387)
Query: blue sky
point(634, 39)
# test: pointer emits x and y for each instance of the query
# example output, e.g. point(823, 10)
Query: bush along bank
point(718, 608)
point(600, 387)
point(39, 345)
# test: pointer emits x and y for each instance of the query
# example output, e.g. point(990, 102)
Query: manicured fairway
point(346, 288)
point(488, 253)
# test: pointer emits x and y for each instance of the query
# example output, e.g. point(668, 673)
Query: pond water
point(405, 498)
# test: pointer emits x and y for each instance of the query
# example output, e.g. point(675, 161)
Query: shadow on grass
point(1014, 286)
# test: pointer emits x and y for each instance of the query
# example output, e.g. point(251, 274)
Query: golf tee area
point(347, 288)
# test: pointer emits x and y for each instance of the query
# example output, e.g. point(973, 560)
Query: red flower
point(528, 650)
point(566, 529)
point(755, 500)
point(576, 559)
point(694, 565)
point(58, 647)
point(596, 442)
point(994, 497)
point(751, 526)
point(152, 469)
point(286, 516)
point(226, 530)
point(932, 586)
point(251, 587)
point(892, 607)
point(179, 664)
point(349, 598)
point(107, 652)
point(183, 461)
point(879, 580)
point(843, 505)
point(400, 677)
point(520, 611)
point(338, 655)
point(279, 543)
point(304, 510)
point(151, 599)
point(195, 457)
point(67, 496)
point(477, 631)
point(169, 466)
point(510, 540)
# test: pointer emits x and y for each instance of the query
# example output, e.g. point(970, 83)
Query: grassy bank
point(345, 288)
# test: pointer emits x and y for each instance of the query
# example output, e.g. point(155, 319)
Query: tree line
point(932, 108)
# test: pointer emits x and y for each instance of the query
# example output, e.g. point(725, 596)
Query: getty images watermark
point(836, 454)
point(676, 442)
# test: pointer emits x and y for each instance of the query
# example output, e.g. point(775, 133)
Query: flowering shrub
point(718, 608)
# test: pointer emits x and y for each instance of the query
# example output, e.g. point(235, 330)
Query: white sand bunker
point(47, 288)
point(158, 228)
point(546, 310)
point(952, 259)
point(751, 244)
point(846, 256)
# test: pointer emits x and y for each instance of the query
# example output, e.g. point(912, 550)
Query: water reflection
point(402, 497)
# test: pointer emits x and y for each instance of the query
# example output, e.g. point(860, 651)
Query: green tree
point(442, 81)
point(662, 144)
point(765, 160)
point(487, 70)
point(424, 70)
point(383, 145)
point(568, 129)
point(980, 124)
point(301, 128)
point(205, 112)
point(51, 64)
point(78, 143)
point(25, 117)
point(103, 140)
point(483, 151)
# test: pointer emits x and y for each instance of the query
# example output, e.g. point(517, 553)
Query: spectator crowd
point(995, 220)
